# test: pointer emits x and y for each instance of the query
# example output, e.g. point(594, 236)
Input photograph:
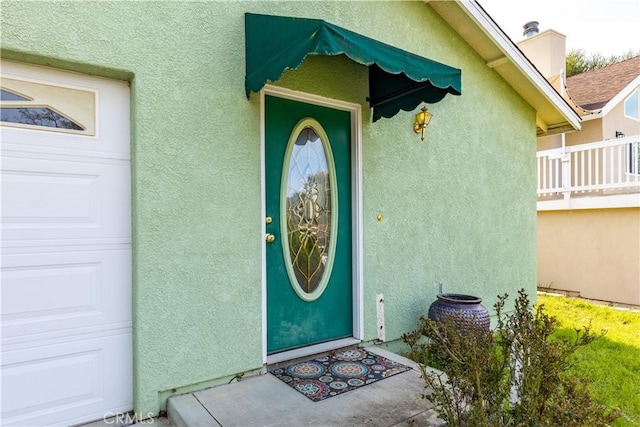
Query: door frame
point(355, 111)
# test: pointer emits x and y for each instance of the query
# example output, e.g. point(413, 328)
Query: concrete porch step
point(264, 400)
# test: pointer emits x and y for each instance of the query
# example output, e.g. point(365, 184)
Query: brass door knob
point(270, 238)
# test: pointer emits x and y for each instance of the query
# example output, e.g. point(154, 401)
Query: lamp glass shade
point(426, 118)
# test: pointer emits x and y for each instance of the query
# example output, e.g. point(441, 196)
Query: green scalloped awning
point(398, 80)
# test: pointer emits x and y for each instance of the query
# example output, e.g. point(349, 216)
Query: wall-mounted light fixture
point(422, 121)
point(619, 134)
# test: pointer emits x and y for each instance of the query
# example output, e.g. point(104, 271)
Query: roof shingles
point(593, 89)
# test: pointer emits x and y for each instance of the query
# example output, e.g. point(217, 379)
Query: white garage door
point(66, 247)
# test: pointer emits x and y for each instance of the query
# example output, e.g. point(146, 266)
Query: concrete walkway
point(264, 400)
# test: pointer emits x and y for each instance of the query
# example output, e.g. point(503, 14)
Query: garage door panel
point(53, 199)
point(66, 379)
point(45, 292)
point(104, 143)
point(111, 103)
point(66, 330)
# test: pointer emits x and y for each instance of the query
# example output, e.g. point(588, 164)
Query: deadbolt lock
point(268, 220)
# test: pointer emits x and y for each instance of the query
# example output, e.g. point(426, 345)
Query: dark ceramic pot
point(467, 311)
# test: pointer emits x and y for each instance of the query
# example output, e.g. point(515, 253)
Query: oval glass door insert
point(309, 209)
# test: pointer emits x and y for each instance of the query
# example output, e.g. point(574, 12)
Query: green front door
point(308, 207)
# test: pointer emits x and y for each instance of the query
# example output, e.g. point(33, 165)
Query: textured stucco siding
point(591, 132)
point(591, 251)
point(459, 208)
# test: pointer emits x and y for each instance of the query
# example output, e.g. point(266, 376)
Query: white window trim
point(624, 105)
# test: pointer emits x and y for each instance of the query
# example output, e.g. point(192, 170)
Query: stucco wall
point(549, 142)
point(594, 251)
point(591, 132)
point(459, 207)
point(617, 121)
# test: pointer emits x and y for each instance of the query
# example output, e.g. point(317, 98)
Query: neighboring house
point(168, 166)
point(589, 181)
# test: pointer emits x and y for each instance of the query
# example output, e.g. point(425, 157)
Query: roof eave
point(468, 18)
point(612, 103)
point(621, 96)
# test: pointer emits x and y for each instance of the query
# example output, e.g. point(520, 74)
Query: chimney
point(546, 50)
point(530, 29)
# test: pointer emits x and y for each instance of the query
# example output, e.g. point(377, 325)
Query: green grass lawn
point(613, 361)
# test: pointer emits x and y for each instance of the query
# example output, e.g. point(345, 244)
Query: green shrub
point(513, 376)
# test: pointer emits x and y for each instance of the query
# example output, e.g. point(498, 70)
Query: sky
point(609, 27)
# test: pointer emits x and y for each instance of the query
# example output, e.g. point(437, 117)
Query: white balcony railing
point(596, 169)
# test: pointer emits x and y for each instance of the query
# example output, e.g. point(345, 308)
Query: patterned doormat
point(329, 376)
